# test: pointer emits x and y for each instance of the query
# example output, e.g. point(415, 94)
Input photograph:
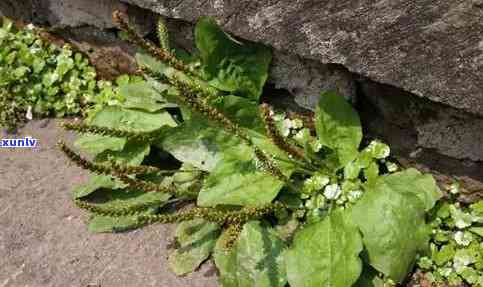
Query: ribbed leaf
point(325, 253)
point(256, 259)
point(196, 239)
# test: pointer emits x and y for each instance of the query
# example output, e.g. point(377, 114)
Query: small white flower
point(29, 115)
point(317, 146)
point(461, 219)
point(278, 117)
point(391, 167)
point(297, 124)
point(446, 271)
point(287, 123)
point(354, 195)
point(299, 135)
point(332, 191)
point(30, 27)
point(454, 188)
point(315, 183)
point(462, 259)
point(463, 238)
point(378, 150)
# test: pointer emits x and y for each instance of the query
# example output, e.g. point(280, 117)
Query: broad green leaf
point(123, 119)
point(477, 230)
point(325, 253)
point(338, 126)
point(120, 199)
point(105, 224)
point(163, 69)
point(185, 182)
point(232, 66)
point(256, 259)
point(202, 143)
point(95, 144)
point(242, 111)
point(133, 153)
point(151, 63)
point(414, 182)
point(369, 278)
point(132, 120)
point(236, 180)
point(96, 182)
point(196, 239)
point(391, 217)
point(198, 143)
point(142, 96)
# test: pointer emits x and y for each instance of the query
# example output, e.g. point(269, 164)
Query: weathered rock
point(17, 9)
point(75, 13)
point(440, 128)
point(434, 137)
point(433, 49)
point(305, 79)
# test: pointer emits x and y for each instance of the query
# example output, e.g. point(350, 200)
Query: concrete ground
point(44, 240)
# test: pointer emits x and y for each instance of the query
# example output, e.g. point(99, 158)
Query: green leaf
point(95, 144)
point(477, 230)
point(391, 217)
point(232, 66)
point(201, 143)
point(96, 182)
point(151, 63)
point(445, 254)
point(338, 126)
point(132, 120)
point(237, 180)
point(325, 253)
point(142, 96)
point(106, 224)
point(186, 182)
point(196, 240)
point(133, 153)
point(369, 278)
point(242, 111)
point(198, 143)
point(122, 198)
point(123, 119)
point(256, 259)
point(414, 182)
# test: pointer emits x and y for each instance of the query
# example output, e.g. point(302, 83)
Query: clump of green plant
point(273, 199)
point(38, 78)
point(456, 246)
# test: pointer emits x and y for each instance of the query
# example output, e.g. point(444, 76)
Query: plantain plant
point(272, 198)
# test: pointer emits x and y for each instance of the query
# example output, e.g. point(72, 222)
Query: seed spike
point(113, 169)
point(105, 131)
point(119, 210)
point(163, 34)
point(212, 214)
point(162, 54)
point(272, 132)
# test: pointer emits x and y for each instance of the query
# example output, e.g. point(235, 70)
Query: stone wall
point(413, 68)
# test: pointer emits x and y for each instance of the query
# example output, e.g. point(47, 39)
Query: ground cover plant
point(456, 253)
point(274, 199)
point(38, 78)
